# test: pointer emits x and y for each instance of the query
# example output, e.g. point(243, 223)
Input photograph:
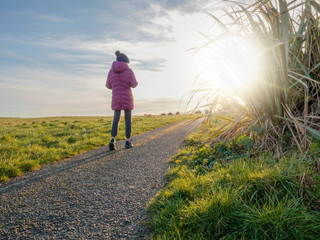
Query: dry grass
point(282, 105)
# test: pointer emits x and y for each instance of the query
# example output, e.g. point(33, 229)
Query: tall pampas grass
point(282, 104)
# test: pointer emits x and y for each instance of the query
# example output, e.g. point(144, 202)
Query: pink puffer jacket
point(121, 79)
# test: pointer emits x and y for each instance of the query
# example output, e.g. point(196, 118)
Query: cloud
point(27, 100)
point(32, 101)
point(8, 55)
point(152, 65)
point(64, 72)
point(53, 18)
point(189, 6)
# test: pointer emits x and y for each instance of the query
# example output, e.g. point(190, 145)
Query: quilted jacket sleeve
point(132, 80)
point(108, 83)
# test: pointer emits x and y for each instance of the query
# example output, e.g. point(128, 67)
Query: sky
point(55, 54)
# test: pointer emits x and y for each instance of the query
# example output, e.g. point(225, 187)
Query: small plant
point(71, 140)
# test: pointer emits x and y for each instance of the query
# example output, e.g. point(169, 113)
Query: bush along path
point(95, 195)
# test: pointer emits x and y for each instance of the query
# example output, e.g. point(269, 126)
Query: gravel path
point(95, 195)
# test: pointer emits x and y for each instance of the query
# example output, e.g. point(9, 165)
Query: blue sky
point(55, 54)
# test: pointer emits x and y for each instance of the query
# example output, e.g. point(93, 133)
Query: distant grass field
point(28, 143)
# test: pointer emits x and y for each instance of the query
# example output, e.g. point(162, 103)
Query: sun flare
point(232, 63)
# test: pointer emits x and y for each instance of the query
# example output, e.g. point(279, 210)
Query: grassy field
point(232, 191)
point(28, 143)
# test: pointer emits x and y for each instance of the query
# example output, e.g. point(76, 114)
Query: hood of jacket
point(119, 67)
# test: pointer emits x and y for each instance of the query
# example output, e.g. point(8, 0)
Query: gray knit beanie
point(122, 57)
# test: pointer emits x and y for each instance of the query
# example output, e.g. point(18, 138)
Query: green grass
point(28, 143)
point(229, 191)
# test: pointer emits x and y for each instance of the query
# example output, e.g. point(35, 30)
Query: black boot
point(112, 145)
point(128, 144)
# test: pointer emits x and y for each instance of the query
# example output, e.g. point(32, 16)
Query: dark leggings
point(116, 120)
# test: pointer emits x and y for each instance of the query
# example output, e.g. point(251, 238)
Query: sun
point(232, 63)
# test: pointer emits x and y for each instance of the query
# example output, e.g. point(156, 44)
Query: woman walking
point(120, 80)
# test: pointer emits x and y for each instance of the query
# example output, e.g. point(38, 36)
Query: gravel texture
point(95, 195)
